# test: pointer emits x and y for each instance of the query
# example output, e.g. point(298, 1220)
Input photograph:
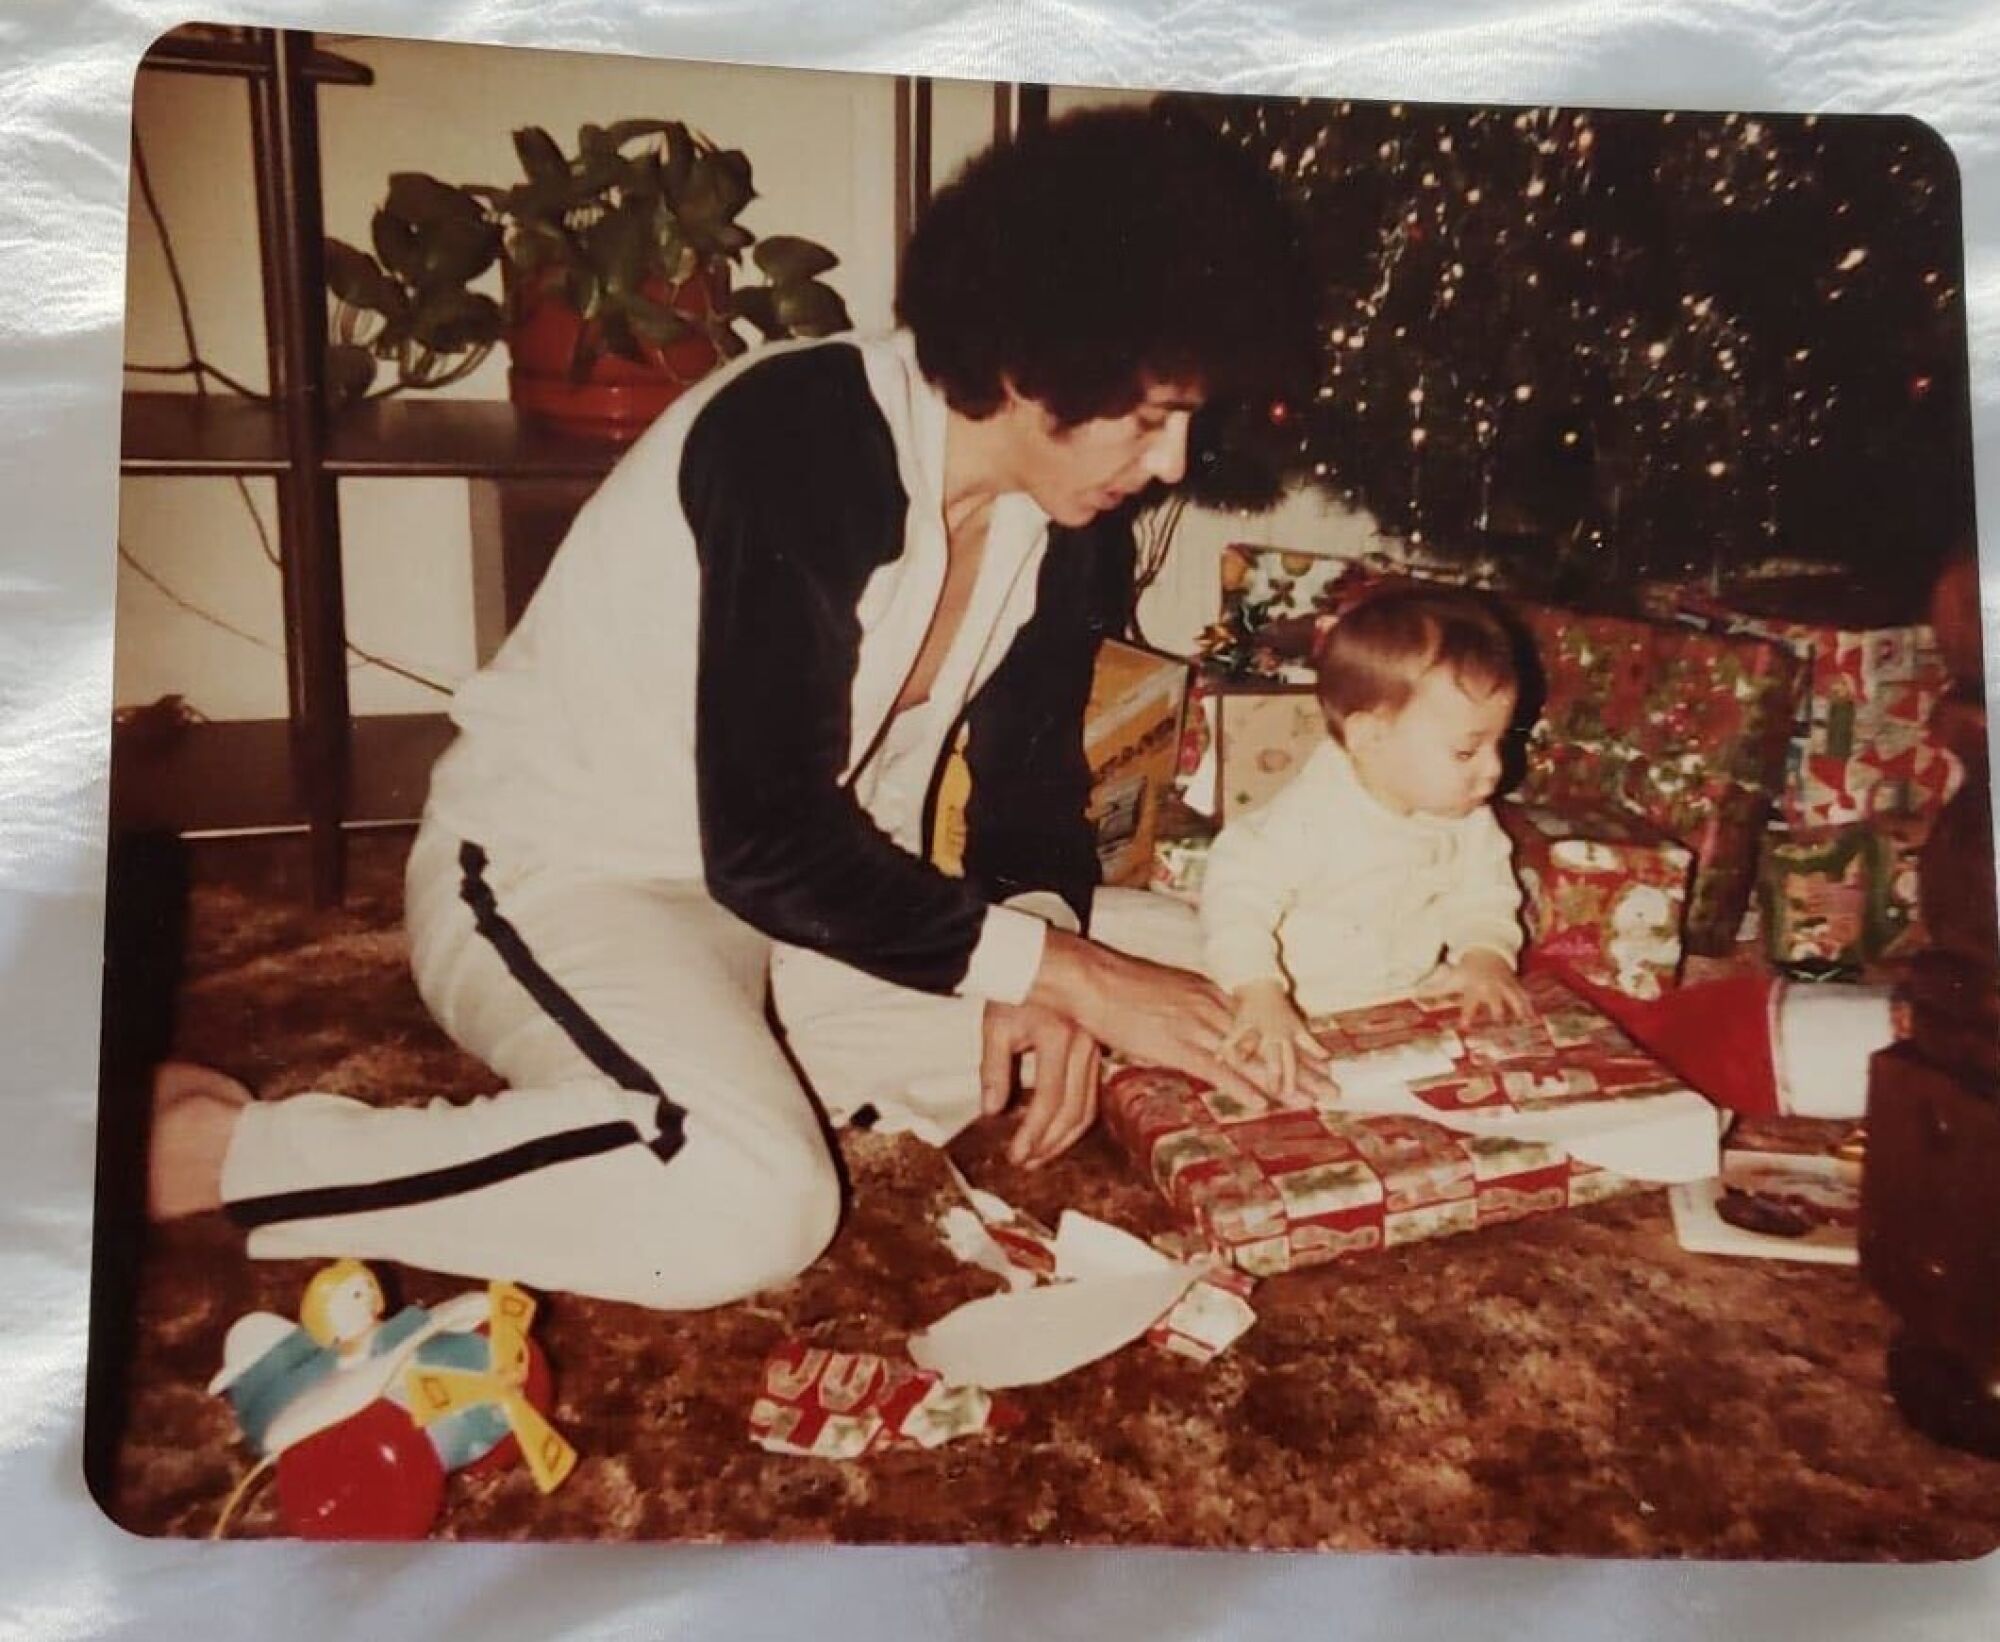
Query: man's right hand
point(1146, 1012)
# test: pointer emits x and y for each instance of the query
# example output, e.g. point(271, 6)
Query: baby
point(1380, 871)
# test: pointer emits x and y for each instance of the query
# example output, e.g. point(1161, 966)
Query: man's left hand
point(1064, 1102)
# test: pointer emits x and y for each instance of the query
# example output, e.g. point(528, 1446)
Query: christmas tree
point(1594, 347)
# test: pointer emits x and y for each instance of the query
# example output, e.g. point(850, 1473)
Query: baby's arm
point(1484, 936)
point(1251, 882)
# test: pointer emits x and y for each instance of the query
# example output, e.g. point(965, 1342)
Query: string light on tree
point(1644, 344)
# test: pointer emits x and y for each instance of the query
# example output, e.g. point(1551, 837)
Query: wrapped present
point(1276, 602)
point(1275, 1189)
point(1841, 896)
point(1860, 745)
point(844, 1404)
point(1132, 740)
point(1264, 734)
point(1687, 728)
point(1605, 893)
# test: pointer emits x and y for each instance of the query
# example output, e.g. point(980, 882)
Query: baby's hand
point(1488, 989)
point(1268, 1030)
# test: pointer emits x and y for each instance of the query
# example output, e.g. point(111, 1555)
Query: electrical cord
point(200, 370)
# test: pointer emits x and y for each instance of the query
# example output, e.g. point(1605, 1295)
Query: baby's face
point(1439, 755)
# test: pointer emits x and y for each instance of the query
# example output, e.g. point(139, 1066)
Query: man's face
point(1440, 753)
point(1078, 472)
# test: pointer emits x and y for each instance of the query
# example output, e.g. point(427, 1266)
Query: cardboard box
point(1132, 741)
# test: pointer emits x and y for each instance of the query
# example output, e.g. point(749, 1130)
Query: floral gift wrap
point(1604, 892)
point(1686, 728)
point(1842, 896)
point(1276, 1189)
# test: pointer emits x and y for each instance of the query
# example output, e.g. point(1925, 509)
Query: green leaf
point(754, 303)
point(350, 372)
point(453, 320)
point(732, 172)
point(681, 151)
point(621, 132)
point(656, 324)
point(618, 246)
point(422, 200)
point(354, 277)
point(540, 158)
point(458, 251)
point(785, 257)
point(396, 246)
point(810, 308)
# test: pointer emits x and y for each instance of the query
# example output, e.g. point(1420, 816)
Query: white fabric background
point(65, 70)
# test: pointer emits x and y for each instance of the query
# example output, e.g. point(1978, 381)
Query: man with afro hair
point(672, 882)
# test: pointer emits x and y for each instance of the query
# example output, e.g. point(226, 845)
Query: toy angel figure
point(425, 1392)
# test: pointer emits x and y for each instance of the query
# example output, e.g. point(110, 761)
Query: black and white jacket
point(719, 643)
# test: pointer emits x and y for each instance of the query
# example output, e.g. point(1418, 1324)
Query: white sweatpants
point(655, 1142)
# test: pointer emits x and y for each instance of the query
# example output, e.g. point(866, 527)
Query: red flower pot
point(617, 398)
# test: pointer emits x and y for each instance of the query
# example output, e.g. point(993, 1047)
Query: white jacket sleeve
point(1486, 905)
point(1252, 879)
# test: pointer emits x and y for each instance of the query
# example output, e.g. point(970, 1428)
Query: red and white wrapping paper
point(842, 1405)
point(1275, 1189)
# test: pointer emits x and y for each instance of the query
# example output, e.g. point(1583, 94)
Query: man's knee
point(753, 1228)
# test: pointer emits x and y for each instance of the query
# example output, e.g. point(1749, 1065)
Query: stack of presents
point(1714, 779)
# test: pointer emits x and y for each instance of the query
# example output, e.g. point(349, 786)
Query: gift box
point(1264, 733)
point(1132, 742)
point(1605, 893)
point(1276, 1189)
point(1841, 896)
point(1860, 745)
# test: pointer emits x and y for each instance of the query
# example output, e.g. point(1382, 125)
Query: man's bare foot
point(194, 1115)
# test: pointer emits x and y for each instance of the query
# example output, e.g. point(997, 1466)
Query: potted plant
point(618, 269)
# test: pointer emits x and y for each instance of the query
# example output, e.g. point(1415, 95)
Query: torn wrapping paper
point(1528, 1118)
point(1074, 1295)
point(840, 1405)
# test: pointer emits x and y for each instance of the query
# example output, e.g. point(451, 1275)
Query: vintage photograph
point(864, 809)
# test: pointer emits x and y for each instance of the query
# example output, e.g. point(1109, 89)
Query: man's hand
point(1269, 1031)
point(1149, 1013)
point(1064, 1103)
point(1488, 989)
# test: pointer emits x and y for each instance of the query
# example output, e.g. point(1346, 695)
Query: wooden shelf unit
point(319, 770)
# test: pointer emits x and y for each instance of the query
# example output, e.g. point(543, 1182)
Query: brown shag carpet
point(1574, 1384)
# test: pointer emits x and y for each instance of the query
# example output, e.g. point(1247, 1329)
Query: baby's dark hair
point(1107, 252)
point(1378, 652)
